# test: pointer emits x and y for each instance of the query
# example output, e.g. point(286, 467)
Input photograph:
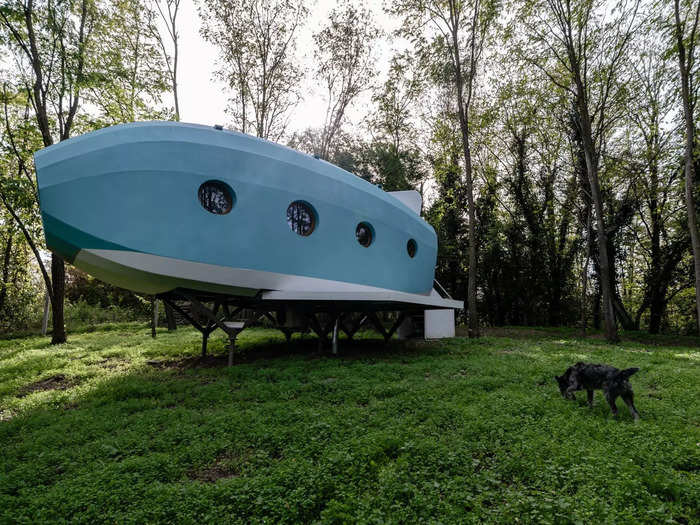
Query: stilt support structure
point(380, 327)
point(354, 326)
point(326, 317)
point(217, 317)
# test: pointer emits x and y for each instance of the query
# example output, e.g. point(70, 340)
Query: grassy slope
point(452, 431)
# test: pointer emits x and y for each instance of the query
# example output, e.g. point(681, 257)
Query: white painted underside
point(410, 198)
point(386, 296)
point(152, 274)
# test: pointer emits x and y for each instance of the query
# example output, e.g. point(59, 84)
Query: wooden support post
point(184, 314)
point(318, 329)
point(399, 320)
point(378, 325)
point(355, 325)
point(170, 317)
point(205, 338)
point(287, 334)
point(214, 321)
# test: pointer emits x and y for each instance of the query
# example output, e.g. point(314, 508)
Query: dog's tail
point(627, 373)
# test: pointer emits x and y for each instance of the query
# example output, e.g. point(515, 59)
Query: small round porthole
point(216, 197)
point(364, 234)
point(411, 248)
point(301, 218)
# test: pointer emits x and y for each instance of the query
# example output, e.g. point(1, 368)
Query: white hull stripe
point(223, 275)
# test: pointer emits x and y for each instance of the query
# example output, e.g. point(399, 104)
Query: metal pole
point(231, 348)
point(335, 336)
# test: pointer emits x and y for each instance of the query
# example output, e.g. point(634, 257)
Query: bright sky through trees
point(204, 98)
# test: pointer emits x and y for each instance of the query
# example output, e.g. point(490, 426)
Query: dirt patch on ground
point(57, 382)
point(225, 466)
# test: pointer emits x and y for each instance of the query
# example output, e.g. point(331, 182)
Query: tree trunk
point(622, 314)
point(656, 311)
point(58, 282)
point(471, 209)
point(5, 271)
point(174, 79)
point(684, 66)
point(471, 286)
point(596, 308)
point(596, 196)
point(584, 277)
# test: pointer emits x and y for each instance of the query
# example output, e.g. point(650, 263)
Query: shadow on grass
point(306, 348)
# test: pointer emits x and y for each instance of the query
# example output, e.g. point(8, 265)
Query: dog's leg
point(572, 388)
point(611, 402)
point(628, 398)
point(590, 398)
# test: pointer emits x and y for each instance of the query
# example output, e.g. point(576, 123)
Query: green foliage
point(20, 305)
point(83, 287)
point(447, 212)
point(80, 314)
point(100, 62)
point(453, 431)
point(345, 64)
point(128, 73)
point(395, 170)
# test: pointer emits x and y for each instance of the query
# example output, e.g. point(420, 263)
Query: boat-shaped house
point(169, 208)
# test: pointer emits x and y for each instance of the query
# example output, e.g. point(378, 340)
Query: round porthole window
point(301, 218)
point(411, 248)
point(216, 197)
point(364, 234)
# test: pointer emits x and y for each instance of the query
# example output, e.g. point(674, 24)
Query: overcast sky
point(203, 99)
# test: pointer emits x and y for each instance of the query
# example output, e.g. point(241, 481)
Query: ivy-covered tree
point(583, 52)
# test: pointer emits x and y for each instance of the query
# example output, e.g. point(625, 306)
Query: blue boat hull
point(122, 203)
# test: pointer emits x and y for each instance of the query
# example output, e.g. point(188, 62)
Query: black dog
point(591, 377)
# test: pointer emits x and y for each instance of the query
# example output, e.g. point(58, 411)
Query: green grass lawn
point(117, 427)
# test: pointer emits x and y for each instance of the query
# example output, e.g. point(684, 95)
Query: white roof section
point(411, 198)
point(432, 301)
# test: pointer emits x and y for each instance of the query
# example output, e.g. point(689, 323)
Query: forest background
point(554, 141)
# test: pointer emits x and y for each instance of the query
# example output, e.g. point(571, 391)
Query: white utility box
point(439, 324)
